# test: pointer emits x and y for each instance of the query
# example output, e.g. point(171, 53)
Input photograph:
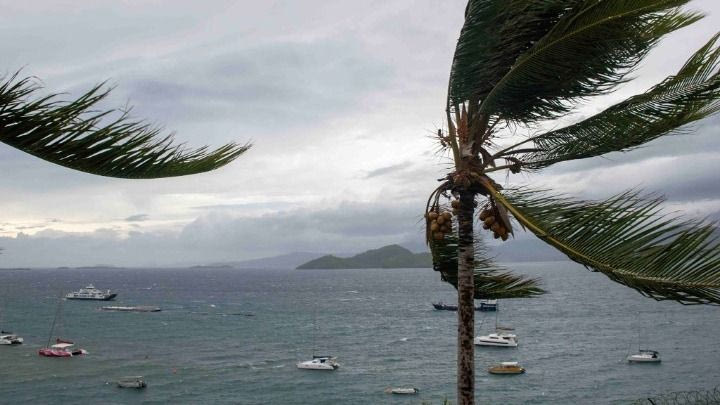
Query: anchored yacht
point(644, 356)
point(8, 338)
point(499, 339)
point(319, 363)
point(91, 293)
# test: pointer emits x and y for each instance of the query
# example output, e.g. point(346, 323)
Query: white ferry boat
point(91, 293)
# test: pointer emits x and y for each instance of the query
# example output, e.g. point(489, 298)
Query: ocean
point(230, 336)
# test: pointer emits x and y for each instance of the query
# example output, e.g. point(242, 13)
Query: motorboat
point(498, 339)
point(644, 356)
point(137, 382)
point(8, 338)
point(61, 350)
point(488, 305)
point(319, 363)
point(91, 293)
point(402, 391)
point(506, 367)
point(449, 307)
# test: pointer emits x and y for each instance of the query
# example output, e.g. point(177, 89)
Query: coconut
point(438, 235)
point(447, 215)
point(504, 237)
point(432, 215)
point(434, 226)
point(484, 214)
point(496, 235)
point(441, 220)
point(455, 203)
point(486, 226)
point(495, 227)
point(489, 220)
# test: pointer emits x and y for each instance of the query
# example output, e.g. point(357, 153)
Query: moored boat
point(448, 307)
point(61, 350)
point(132, 309)
point(91, 293)
point(506, 367)
point(131, 382)
point(644, 356)
point(402, 391)
point(8, 338)
point(62, 347)
point(319, 363)
point(499, 339)
point(488, 305)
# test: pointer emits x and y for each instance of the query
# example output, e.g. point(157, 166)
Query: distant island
point(386, 257)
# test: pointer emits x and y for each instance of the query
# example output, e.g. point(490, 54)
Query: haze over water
point(234, 336)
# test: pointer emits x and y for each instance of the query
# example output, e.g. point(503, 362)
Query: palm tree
point(521, 63)
point(106, 143)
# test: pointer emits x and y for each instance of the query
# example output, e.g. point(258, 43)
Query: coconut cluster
point(440, 223)
point(491, 220)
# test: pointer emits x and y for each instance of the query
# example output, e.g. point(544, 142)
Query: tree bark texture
point(466, 303)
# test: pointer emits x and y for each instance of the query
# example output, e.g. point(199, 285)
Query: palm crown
point(520, 62)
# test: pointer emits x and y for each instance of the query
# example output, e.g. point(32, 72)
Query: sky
point(340, 100)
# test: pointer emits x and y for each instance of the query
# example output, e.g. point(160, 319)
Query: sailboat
point(9, 338)
point(501, 338)
point(325, 362)
point(643, 355)
point(61, 347)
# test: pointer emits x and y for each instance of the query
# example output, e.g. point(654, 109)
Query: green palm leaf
point(626, 239)
point(73, 135)
point(690, 95)
point(494, 35)
point(491, 281)
point(587, 52)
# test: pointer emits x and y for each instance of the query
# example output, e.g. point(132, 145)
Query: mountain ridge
point(386, 257)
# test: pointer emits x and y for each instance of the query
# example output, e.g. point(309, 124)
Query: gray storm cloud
point(340, 99)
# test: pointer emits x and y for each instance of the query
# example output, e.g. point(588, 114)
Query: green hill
point(387, 257)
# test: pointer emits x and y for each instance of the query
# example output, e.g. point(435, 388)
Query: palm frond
point(494, 35)
point(627, 239)
point(690, 95)
point(491, 280)
point(105, 143)
point(588, 52)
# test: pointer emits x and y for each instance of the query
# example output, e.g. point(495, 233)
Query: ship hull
point(107, 298)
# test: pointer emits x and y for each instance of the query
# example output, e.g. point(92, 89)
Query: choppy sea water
point(234, 336)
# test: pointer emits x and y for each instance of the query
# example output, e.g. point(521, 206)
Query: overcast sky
point(339, 99)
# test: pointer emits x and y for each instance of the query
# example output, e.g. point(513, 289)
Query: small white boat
point(499, 339)
point(488, 305)
point(131, 382)
point(402, 391)
point(644, 356)
point(319, 363)
point(8, 338)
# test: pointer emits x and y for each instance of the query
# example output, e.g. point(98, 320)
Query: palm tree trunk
point(466, 304)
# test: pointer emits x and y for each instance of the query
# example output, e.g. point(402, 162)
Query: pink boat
point(61, 350)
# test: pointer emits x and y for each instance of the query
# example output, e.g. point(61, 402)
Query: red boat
point(61, 350)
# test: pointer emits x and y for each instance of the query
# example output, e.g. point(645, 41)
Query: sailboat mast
point(52, 326)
